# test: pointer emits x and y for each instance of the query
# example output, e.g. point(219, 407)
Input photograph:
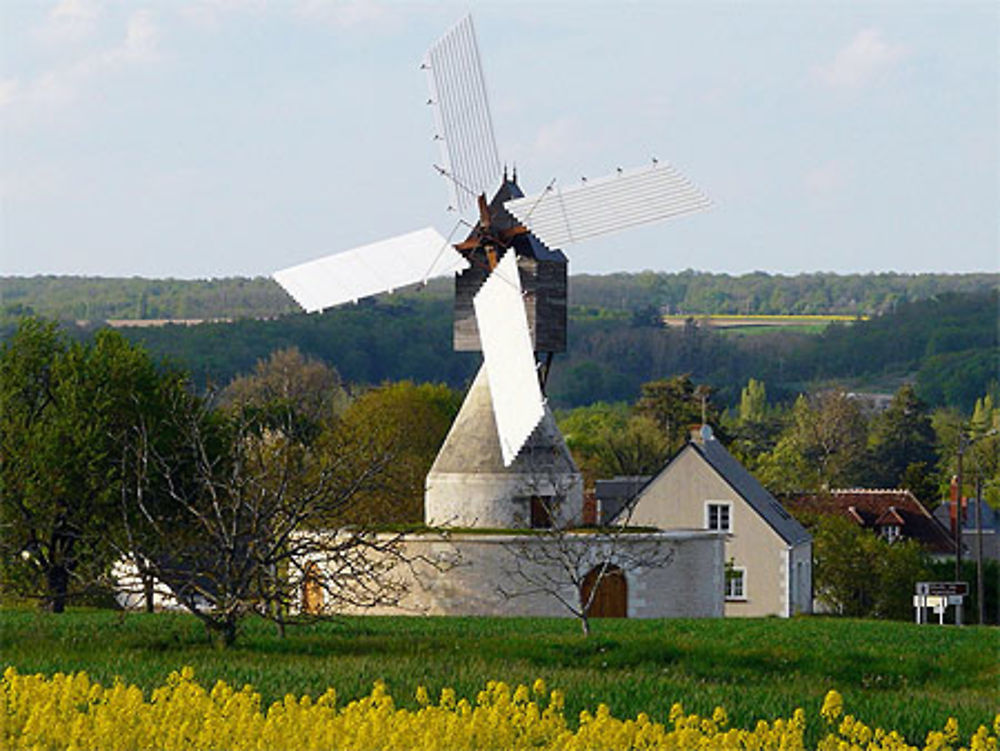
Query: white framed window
point(736, 583)
point(891, 532)
point(719, 516)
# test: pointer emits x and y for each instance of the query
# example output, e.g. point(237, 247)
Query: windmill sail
point(559, 217)
point(510, 361)
point(465, 127)
point(384, 266)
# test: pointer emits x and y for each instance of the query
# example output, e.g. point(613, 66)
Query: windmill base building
point(503, 540)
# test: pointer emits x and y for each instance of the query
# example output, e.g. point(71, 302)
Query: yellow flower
point(833, 706)
point(422, 698)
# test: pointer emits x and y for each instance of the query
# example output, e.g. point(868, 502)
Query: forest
point(936, 330)
point(98, 299)
point(947, 346)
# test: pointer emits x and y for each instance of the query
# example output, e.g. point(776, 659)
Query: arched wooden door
point(611, 598)
point(312, 591)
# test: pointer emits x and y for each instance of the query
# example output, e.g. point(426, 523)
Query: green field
point(895, 675)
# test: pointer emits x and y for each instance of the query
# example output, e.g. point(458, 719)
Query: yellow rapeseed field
point(73, 712)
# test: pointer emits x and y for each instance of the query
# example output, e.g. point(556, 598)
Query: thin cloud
point(71, 21)
point(62, 86)
point(344, 13)
point(867, 58)
point(210, 13)
point(8, 91)
point(828, 181)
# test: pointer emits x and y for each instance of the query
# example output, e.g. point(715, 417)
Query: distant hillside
point(946, 345)
point(78, 298)
point(72, 298)
point(769, 294)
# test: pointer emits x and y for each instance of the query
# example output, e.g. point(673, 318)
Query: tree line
point(829, 438)
point(109, 458)
point(693, 292)
point(946, 344)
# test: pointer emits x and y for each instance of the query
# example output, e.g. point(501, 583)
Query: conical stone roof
point(468, 484)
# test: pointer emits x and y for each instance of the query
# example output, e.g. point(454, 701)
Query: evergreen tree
point(902, 443)
point(676, 405)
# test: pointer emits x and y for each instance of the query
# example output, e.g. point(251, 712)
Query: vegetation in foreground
point(893, 675)
point(70, 711)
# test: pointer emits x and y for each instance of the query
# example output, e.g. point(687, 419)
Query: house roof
point(890, 517)
point(875, 508)
point(990, 516)
point(746, 485)
point(620, 487)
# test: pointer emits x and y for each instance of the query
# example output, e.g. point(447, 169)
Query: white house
point(767, 552)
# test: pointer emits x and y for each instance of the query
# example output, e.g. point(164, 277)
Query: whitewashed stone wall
point(476, 569)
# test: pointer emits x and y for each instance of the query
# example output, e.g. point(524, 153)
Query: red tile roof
point(874, 509)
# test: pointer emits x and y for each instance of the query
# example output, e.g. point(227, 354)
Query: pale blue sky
point(225, 137)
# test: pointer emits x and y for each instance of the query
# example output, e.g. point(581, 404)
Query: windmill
point(510, 288)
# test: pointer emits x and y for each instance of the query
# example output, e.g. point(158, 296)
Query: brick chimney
point(701, 433)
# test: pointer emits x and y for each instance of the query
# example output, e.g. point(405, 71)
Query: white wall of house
point(680, 498)
point(477, 567)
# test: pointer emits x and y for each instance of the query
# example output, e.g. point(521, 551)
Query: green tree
point(289, 391)
point(406, 422)
point(757, 427)
point(66, 415)
point(753, 402)
point(675, 405)
point(981, 448)
point(902, 442)
point(584, 430)
point(824, 445)
point(638, 448)
point(859, 574)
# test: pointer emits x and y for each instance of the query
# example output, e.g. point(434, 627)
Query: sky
point(217, 138)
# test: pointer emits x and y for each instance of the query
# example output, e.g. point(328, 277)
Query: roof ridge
point(872, 490)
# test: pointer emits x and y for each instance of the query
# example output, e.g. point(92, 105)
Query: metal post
point(979, 551)
point(957, 509)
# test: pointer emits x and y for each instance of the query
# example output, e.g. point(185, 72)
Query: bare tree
point(571, 563)
point(231, 517)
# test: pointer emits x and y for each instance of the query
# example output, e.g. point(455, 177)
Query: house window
point(736, 583)
point(891, 532)
point(718, 516)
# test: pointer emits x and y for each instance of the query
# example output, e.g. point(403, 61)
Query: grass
point(896, 675)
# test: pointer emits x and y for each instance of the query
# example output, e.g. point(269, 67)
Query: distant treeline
point(80, 298)
point(771, 294)
point(98, 299)
point(947, 346)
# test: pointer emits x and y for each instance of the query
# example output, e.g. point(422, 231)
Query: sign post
point(939, 595)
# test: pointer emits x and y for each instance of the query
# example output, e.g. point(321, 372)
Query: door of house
point(611, 598)
point(312, 591)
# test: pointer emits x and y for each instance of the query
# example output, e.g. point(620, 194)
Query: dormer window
point(891, 532)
